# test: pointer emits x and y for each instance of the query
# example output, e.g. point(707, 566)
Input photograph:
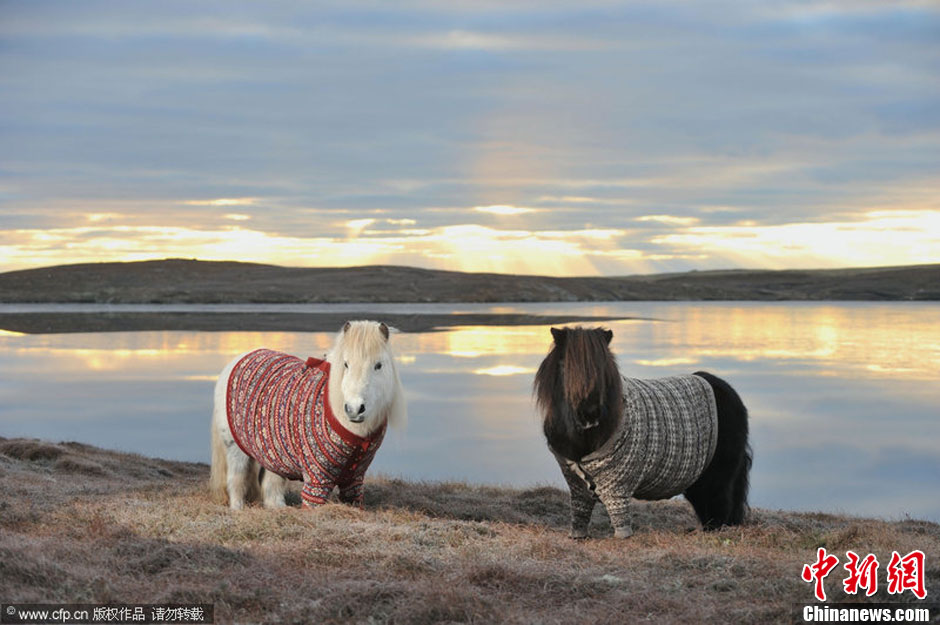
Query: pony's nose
point(352, 411)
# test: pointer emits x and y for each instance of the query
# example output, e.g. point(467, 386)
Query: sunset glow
point(914, 238)
point(241, 201)
point(501, 209)
point(877, 238)
point(504, 370)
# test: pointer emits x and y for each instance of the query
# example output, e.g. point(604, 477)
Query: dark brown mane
point(579, 391)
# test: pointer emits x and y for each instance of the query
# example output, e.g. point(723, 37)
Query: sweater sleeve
point(582, 499)
point(351, 493)
point(317, 488)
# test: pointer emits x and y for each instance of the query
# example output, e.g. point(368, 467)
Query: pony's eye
point(378, 366)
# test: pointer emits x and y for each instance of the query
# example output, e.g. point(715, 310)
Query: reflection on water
point(843, 397)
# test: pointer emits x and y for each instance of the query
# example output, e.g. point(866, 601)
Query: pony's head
point(579, 391)
point(365, 390)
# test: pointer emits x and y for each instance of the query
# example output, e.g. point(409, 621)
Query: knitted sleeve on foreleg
point(314, 492)
point(618, 467)
point(352, 492)
point(582, 498)
point(616, 482)
point(617, 503)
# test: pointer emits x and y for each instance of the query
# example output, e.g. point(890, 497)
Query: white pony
point(316, 421)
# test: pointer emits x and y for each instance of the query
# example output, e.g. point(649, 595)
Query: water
point(843, 397)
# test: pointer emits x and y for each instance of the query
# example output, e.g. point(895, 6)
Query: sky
point(542, 137)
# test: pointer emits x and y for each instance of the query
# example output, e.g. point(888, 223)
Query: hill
point(80, 524)
point(193, 281)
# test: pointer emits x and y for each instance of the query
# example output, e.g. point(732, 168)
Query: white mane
point(361, 344)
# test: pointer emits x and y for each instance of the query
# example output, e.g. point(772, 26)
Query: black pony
point(616, 438)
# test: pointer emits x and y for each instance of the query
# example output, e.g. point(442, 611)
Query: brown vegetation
point(80, 524)
point(180, 281)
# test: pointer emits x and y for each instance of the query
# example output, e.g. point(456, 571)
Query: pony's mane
point(582, 364)
point(579, 368)
point(367, 340)
point(361, 340)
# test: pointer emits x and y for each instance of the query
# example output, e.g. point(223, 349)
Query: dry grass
point(80, 524)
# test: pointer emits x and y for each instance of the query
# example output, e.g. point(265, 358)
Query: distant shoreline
point(63, 323)
point(176, 281)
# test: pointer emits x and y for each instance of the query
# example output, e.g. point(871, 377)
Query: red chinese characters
point(819, 570)
point(907, 573)
point(904, 573)
point(862, 574)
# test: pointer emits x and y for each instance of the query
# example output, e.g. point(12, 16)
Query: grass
point(84, 525)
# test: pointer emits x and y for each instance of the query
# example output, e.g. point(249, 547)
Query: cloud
point(860, 240)
point(659, 119)
point(669, 219)
point(237, 201)
point(463, 247)
point(501, 42)
point(356, 226)
point(877, 238)
point(503, 209)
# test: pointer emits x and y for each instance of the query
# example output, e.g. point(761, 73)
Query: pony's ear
point(384, 330)
point(608, 336)
point(346, 327)
point(559, 335)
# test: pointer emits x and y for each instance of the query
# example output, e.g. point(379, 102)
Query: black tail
point(719, 497)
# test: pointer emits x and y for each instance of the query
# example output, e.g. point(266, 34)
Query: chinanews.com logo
point(902, 574)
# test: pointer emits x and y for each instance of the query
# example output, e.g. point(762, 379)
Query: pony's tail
point(740, 509)
point(720, 494)
point(218, 473)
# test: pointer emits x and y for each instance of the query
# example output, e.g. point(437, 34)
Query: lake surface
point(844, 397)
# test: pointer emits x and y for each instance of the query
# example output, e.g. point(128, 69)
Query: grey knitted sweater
point(664, 442)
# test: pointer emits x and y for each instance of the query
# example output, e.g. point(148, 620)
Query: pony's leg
point(241, 471)
point(351, 493)
point(240, 476)
point(710, 497)
point(316, 491)
point(273, 489)
point(700, 498)
point(582, 501)
point(618, 509)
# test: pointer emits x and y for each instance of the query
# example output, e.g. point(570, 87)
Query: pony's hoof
point(578, 534)
point(623, 532)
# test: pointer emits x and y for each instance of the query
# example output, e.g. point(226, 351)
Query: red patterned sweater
point(279, 414)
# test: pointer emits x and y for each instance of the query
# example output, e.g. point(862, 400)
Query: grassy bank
point(81, 524)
